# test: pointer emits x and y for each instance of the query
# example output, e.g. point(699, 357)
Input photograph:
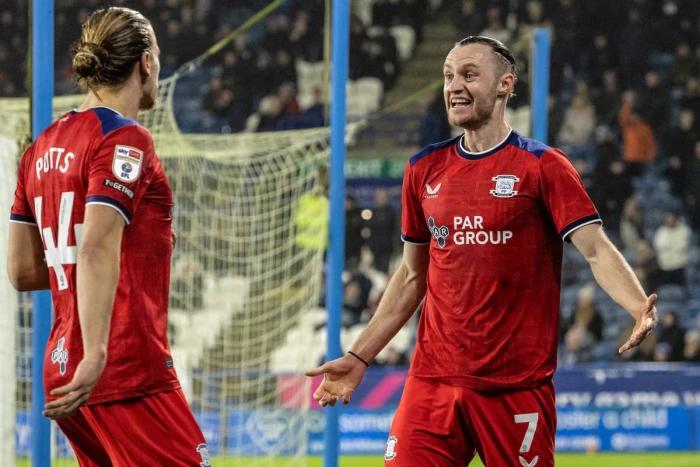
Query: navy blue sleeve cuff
point(112, 203)
point(577, 224)
point(21, 219)
point(419, 241)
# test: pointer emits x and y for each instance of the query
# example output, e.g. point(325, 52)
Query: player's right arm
point(26, 267)
point(400, 300)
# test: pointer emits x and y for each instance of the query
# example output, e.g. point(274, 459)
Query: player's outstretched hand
point(645, 324)
point(340, 378)
point(75, 393)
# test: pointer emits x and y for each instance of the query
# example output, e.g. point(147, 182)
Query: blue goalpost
point(42, 74)
point(340, 36)
point(539, 91)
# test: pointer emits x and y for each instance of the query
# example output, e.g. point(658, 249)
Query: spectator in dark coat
point(434, 125)
point(383, 231)
point(673, 335)
point(353, 230)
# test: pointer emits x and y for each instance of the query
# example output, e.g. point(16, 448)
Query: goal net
point(250, 220)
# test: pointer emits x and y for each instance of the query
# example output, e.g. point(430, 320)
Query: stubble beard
point(479, 116)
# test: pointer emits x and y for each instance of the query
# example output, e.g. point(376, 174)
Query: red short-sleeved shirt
point(495, 222)
point(99, 157)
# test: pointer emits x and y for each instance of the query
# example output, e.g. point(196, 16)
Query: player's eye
point(448, 76)
point(470, 76)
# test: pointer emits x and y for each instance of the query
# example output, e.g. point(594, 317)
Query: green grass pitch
point(664, 459)
point(564, 460)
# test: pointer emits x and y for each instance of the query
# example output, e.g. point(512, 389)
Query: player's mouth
point(457, 102)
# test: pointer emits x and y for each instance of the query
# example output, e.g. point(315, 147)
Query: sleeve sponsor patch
point(119, 187)
point(126, 164)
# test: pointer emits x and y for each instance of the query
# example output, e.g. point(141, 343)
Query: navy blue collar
point(480, 155)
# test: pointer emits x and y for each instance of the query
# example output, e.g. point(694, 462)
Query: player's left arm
point(97, 277)
point(26, 265)
point(615, 276)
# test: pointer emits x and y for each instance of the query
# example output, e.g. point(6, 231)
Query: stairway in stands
point(395, 134)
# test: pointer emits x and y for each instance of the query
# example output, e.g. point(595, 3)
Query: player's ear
point(506, 84)
point(146, 65)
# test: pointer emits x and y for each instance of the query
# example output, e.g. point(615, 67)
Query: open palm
point(645, 325)
point(340, 378)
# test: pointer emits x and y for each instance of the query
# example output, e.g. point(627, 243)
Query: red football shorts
point(437, 425)
point(157, 430)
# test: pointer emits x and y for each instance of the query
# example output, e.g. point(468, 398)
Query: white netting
point(8, 316)
point(244, 273)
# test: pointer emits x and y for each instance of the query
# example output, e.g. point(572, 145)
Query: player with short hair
point(92, 221)
point(484, 219)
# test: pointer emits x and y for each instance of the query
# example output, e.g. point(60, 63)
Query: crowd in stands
point(251, 84)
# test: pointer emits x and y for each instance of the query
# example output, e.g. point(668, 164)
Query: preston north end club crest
point(60, 355)
point(505, 185)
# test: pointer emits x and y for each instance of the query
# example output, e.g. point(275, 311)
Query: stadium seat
point(405, 38)
point(372, 90)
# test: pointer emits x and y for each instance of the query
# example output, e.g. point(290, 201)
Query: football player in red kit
point(484, 219)
point(92, 221)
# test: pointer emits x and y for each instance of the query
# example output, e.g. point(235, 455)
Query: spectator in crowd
point(691, 349)
point(270, 112)
point(468, 20)
point(653, 100)
point(672, 244)
point(646, 267)
point(313, 115)
point(356, 294)
point(631, 224)
point(633, 44)
point(353, 230)
point(672, 335)
point(306, 42)
point(607, 100)
point(384, 229)
point(353, 304)
point(639, 140)
point(685, 64)
point(218, 100)
point(283, 69)
point(602, 60)
point(434, 125)
point(577, 348)
point(586, 318)
point(692, 187)
point(288, 99)
point(495, 27)
point(575, 134)
point(609, 196)
point(691, 93)
point(358, 39)
point(680, 142)
point(534, 17)
point(289, 107)
point(311, 215)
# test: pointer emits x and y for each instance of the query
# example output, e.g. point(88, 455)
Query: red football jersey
point(100, 157)
point(495, 221)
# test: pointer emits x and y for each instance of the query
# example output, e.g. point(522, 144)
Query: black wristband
point(358, 357)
